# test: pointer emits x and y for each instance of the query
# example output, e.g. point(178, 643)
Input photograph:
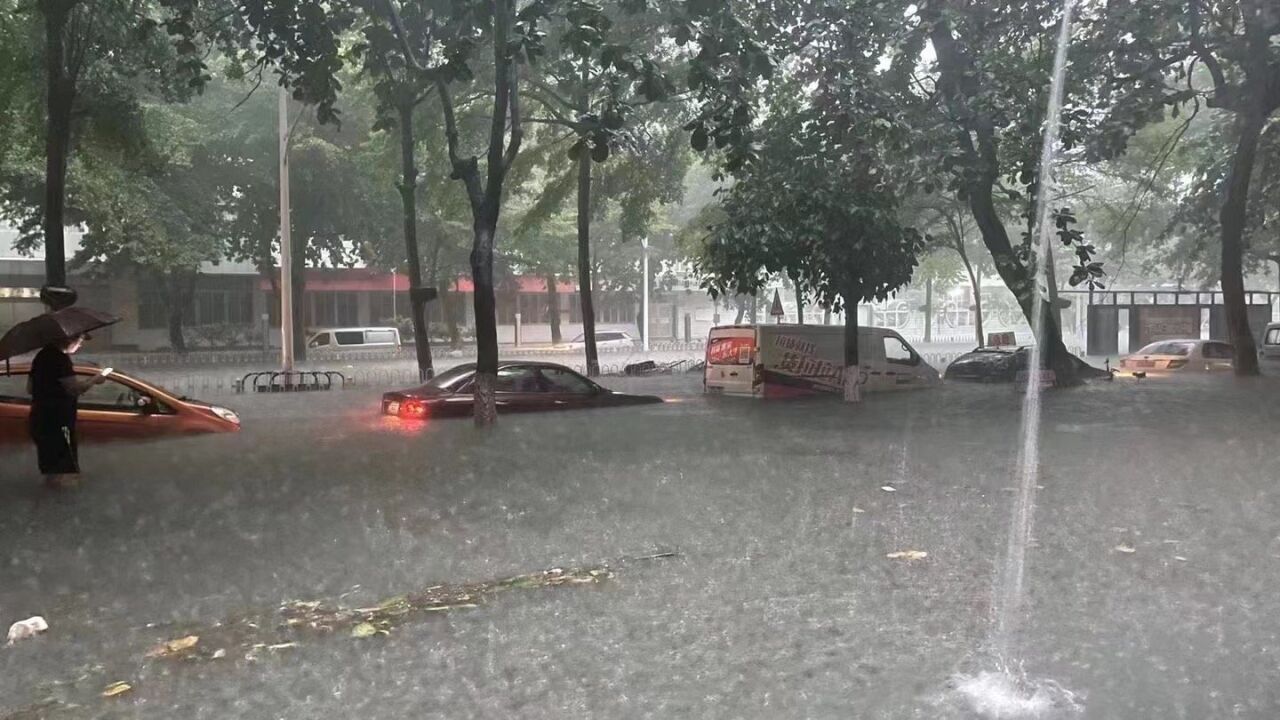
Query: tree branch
point(463, 169)
point(551, 93)
point(517, 129)
point(1221, 90)
point(262, 66)
point(398, 27)
point(504, 81)
point(575, 126)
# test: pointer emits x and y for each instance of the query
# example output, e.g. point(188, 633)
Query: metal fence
point(210, 358)
point(207, 384)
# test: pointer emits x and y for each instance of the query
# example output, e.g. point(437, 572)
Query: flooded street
point(1155, 548)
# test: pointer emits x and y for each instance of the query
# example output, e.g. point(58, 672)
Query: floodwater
point(1150, 578)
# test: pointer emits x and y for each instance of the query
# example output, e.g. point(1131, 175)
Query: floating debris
point(28, 628)
point(173, 647)
point(116, 689)
point(1126, 549)
point(908, 555)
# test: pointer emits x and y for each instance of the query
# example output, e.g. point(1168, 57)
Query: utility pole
point(644, 308)
point(286, 242)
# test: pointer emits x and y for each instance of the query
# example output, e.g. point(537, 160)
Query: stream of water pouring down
point(1007, 693)
point(1012, 590)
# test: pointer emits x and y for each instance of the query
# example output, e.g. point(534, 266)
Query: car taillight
point(1175, 364)
point(413, 408)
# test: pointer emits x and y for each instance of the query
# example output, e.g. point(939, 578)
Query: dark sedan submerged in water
point(521, 387)
point(995, 365)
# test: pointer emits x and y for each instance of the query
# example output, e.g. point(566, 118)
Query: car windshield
point(1167, 348)
point(452, 378)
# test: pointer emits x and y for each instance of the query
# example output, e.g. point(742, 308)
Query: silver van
point(1270, 349)
point(370, 338)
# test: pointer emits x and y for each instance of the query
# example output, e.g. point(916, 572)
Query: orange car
point(122, 408)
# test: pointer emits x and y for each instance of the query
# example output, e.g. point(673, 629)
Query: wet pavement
point(781, 601)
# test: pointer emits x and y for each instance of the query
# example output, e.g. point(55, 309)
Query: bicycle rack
point(290, 381)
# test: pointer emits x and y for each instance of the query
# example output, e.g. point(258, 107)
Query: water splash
point(1011, 696)
point(1006, 692)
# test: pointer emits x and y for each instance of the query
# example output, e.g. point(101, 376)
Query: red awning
point(348, 280)
point(368, 280)
point(525, 283)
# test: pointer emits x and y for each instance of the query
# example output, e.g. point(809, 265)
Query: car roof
point(513, 363)
point(351, 329)
point(533, 363)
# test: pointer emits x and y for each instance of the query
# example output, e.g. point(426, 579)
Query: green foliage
point(822, 217)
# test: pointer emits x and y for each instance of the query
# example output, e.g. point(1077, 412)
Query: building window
point(893, 314)
point(956, 315)
point(209, 306)
point(153, 309)
point(333, 309)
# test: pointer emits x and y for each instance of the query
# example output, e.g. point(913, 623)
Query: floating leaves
point(888, 488)
point(173, 647)
point(116, 689)
point(1126, 549)
point(255, 635)
point(908, 555)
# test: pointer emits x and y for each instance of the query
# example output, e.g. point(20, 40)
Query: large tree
point(454, 45)
point(96, 56)
point(591, 93)
point(988, 99)
point(1163, 56)
point(818, 204)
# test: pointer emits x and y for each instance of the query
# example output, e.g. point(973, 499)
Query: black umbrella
point(54, 327)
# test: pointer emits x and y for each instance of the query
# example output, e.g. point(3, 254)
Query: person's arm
point(75, 386)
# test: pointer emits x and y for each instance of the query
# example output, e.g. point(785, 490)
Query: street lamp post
point(286, 242)
point(644, 312)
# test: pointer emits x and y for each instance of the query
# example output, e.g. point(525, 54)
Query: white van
point(1271, 342)
point(371, 338)
point(774, 361)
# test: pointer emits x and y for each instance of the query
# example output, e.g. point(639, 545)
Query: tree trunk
point(753, 309)
point(977, 312)
point(1250, 122)
point(298, 272)
point(976, 138)
point(181, 290)
point(409, 201)
point(449, 307)
point(742, 309)
point(826, 316)
point(799, 304)
point(852, 364)
point(61, 91)
point(1018, 278)
point(975, 283)
point(928, 310)
point(486, 412)
point(585, 297)
point(553, 308)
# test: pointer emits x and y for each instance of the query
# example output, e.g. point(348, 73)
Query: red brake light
point(413, 408)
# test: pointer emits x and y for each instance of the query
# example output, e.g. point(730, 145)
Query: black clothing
point(53, 413)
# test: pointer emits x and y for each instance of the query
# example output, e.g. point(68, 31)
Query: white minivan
point(1271, 342)
point(776, 361)
point(370, 338)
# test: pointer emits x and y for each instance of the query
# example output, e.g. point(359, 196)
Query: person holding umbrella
point(54, 390)
point(53, 385)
